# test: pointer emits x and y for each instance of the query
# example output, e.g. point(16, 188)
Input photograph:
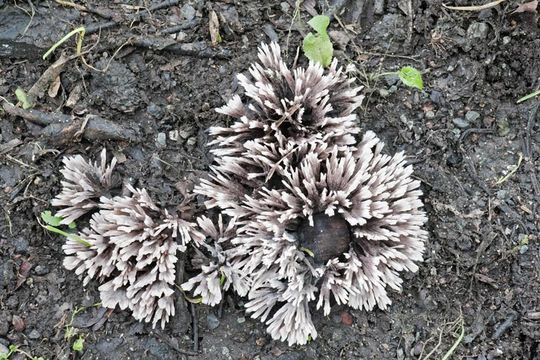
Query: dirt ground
point(477, 152)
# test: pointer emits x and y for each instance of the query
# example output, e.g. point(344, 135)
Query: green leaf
point(307, 251)
point(23, 99)
point(318, 48)
point(411, 77)
point(50, 219)
point(78, 345)
point(320, 23)
point(222, 279)
point(72, 225)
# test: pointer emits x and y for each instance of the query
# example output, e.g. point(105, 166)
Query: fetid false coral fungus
point(84, 183)
point(130, 247)
point(320, 217)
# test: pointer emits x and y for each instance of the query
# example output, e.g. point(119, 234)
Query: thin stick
point(458, 340)
point(474, 7)
point(195, 327)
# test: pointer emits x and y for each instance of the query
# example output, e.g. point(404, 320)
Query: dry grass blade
point(474, 7)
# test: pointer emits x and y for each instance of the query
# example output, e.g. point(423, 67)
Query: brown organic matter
point(329, 237)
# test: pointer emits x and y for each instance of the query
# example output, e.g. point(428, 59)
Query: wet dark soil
point(156, 73)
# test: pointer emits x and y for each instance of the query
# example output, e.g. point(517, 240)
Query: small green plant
point(409, 76)
point(23, 98)
point(78, 345)
point(12, 349)
point(318, 47)
point(52, 223)
point(80, 31)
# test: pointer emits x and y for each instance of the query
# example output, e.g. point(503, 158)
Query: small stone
point(383, 93)
point(472, 116)
point(436, 96)
point(41, 270)
point(5, 319)
point(212, 321)
point(241, 320)
point(460, 123)
point(21, 245)
point(184, 134)
point(173, 135)
point(523, 249)
point(378, 7)
point(34, 334)
point(477, 30)
point(506, 40)
point(346, 318)
point(430, 115)
point(12, 302)
point(161, 140)
point(191, 141)
point(3, 349)
point(155, 111)
point(205, 106)
point(503, 127)
point(7, 275)
point(454, 159)
point(188, 12)
point(260, 342)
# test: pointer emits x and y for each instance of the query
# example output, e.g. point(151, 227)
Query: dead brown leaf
point(213, 26)
point(74, 96)
point(55, 86)
point(38, 89)
point(18, 323)
point(526, 7)
point(24, 271)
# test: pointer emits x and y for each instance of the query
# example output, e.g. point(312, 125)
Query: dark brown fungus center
point(329, 237)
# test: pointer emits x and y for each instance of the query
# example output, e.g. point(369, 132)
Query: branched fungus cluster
point(321, 217)
point(130, 246)
point(309, 213)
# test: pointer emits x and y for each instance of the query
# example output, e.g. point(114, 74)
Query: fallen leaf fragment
point(18, 323)
point(526, 7)
point(213, 26)
point(24, 270)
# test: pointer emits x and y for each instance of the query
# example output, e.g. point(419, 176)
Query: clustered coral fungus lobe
point(301, 211)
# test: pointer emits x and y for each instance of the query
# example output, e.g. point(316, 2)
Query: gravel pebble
point(34, 334)
point(212, 321)
point(472, 116)
point(161, 140)
point(460, 123)
point(3, 349)
point(41, 270)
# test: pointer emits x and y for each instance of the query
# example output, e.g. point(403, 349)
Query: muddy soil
point(156, 75)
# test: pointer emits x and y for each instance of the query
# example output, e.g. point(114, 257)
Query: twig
point(175, 346)
point(104, 13)
point(511, 172)
point(92, 28)
point(63, 128)
point(475, 131)
point(458, 340)
point(474, 7)
point(527, 152)
point(195, 327)
point(197, 49)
